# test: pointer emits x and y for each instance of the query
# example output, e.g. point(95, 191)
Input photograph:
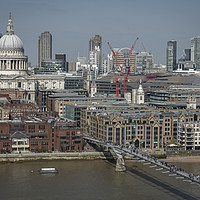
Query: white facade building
point(12, 59)
point(14, 68)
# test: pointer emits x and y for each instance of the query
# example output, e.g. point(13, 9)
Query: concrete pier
point(120, 165)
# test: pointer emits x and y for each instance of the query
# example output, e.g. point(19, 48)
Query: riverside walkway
point(140, 156)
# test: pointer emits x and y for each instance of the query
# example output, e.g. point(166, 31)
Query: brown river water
point(93, 180)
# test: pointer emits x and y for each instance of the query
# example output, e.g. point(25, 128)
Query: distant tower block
point(44, 47)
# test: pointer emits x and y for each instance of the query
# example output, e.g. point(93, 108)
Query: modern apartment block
point(195, 51)
point(171, 55)
point(44, 47)
point(189, 135)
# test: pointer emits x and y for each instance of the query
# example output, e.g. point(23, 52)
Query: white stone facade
point(14, 68)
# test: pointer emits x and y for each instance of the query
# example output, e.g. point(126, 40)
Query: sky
point(73, 22)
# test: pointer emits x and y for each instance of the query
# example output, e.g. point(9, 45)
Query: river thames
point(93, 180)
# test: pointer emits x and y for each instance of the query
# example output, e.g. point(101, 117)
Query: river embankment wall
point(54, 156)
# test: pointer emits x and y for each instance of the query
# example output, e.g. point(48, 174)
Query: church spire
point(10, 26)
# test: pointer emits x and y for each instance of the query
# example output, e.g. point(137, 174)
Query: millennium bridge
point(119, 152)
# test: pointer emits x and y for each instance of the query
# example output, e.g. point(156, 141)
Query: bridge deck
point(137, 154)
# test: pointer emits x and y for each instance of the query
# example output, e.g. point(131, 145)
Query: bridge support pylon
point(120, 165)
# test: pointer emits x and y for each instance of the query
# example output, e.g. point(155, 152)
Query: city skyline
point(73, 23)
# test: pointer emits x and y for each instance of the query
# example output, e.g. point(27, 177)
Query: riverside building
point(146, 129)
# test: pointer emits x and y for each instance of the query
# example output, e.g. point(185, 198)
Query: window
point(42, 128)
point(19, 84)
point(31, 128)
point(73, 132)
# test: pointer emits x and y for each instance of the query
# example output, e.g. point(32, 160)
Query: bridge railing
point(134, 152)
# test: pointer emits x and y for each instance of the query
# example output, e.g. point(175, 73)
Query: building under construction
point(124, 59)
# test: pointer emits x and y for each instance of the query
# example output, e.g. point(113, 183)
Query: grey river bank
point(92, 179)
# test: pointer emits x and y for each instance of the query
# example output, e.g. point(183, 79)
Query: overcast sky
point(73, 22)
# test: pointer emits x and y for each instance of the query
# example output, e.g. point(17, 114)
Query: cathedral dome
point(11, 42)
point(12, 58)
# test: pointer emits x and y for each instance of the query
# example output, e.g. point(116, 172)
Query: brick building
point(67, 136)
point(5, 142)
point(40, 135)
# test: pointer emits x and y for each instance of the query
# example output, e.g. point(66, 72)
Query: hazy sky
point(73, 22)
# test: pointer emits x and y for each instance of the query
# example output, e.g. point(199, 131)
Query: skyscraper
point(195, 51)
point(95, 48)
point(171, 55)
point(187, 53)
point(44, 47)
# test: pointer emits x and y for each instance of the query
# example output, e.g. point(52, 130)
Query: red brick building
point(44, 134)
point(68, 137)
point(5, 142)
point(40, 135)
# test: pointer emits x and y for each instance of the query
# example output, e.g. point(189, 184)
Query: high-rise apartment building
point(195, 51)
point(44, 47)
point(95, 48)
point(171, 55)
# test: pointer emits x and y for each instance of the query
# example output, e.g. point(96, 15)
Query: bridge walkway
point(137, 154)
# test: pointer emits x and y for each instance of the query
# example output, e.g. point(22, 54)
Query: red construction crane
point(133, 46)
point(126, 75)
point(150, 63)
point(116, 76)
point(143, 47)
point(116, 79)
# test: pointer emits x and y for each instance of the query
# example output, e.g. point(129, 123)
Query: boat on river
point(48, 170)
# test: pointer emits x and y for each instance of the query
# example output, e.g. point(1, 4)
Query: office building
point(60, 56)
point(143, 63)
point(51, 66)
point(44, 47)
point(171, 55)
point(195, 51)
point(95, 49)
point(187, 53)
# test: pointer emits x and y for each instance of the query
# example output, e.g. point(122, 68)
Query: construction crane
point(126, 75)
point(143, 47)
point(150, 63)
point(133, 46)
point(116, 76)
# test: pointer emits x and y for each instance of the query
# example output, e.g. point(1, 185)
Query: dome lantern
point(10, 30)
